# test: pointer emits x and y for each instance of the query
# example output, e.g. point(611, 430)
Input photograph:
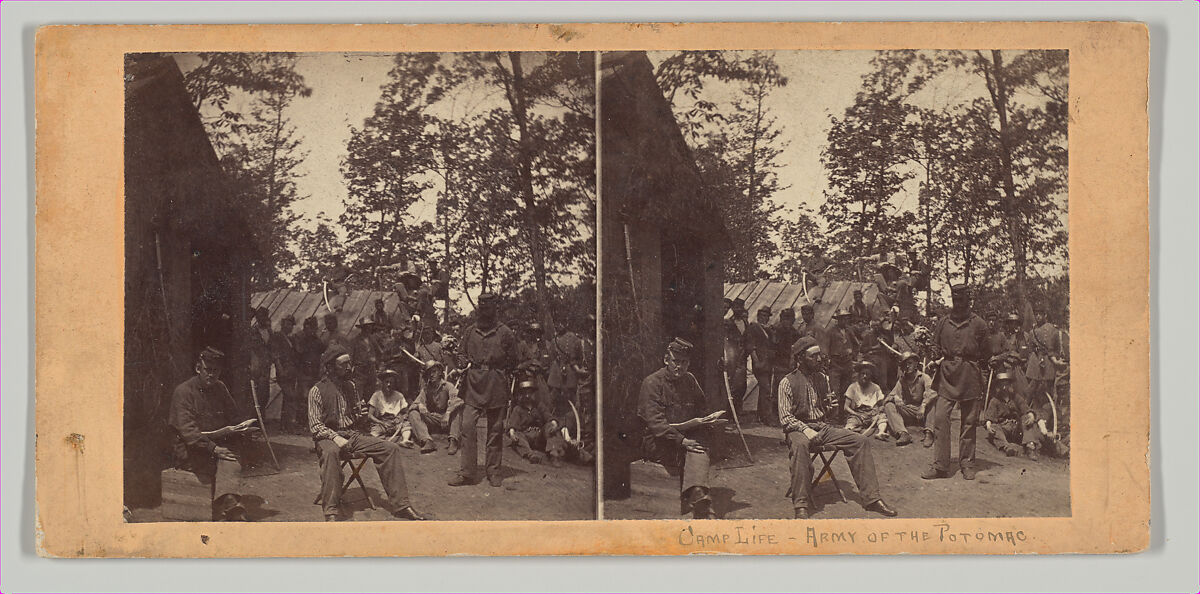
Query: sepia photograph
point(629, 289)
point(835, 284)
point(359, 286)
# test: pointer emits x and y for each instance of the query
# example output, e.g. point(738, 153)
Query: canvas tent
point(826, 300)
point(355, 305)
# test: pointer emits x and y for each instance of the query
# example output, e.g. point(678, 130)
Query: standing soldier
point(1046, 354)
point(859, 309)
point(760, 348)
point(333, 335)
point(566, 351)
point(367, 356)
point(490, 348)
point(380, 316)
point(785, 335)
point(960, 340)
point(841, 355)
point(287, 367)
point(308, 368)
point(260, 355)
point(532, 348)
point(905, 286)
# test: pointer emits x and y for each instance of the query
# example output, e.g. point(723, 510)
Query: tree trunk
point(998, 89)
point(533, 230)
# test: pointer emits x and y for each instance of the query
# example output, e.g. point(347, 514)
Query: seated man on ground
point(437, 407)
point(388, 413)
point(671, 406)
point(336, 414)
point(531, 429)
point(1008, 420)
point(1012, 425)
point(864, 402)
point(206, 435)
point(803, 412)
point(909, 402)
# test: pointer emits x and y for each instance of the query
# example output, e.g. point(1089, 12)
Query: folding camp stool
point(355, 469)
point(826, 456)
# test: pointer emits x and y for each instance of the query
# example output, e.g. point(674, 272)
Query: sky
point(346, 88)
point(823, 83)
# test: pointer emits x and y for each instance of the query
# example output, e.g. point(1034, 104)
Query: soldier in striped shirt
point(336, 414)
point(802, 414)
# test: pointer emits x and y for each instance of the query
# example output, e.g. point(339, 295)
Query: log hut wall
point(662, 257)
point(187, 256)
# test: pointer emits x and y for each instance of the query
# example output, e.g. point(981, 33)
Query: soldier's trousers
point(969, 411)
point(385, 455)
point(765, 394)
point(469, 442)
point(422, 422)
point(900, 417)
point(856, 448)
point(538, 439)
point(692, 468)
point(1011, 436)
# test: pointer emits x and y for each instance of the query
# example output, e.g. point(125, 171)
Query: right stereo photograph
point(835, 284)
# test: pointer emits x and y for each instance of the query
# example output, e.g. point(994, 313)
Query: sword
point(262, 425)
point(736, 423)
point(325, 294)
point(578, 424)
point(988, 391)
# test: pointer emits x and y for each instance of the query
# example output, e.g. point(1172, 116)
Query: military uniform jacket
point(567, 351)
point(195, 409)
point(785, 336)
point(492, 355)
point(308, 354)
point(663, 401)
point(964, 345)
point(759, 346)
point(1044, 342)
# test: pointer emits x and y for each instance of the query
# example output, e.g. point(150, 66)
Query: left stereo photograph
point(360, 286)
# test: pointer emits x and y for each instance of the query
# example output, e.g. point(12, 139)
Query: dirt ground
point(529, 491)
point(1004, 487)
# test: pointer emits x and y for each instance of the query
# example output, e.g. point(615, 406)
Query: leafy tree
point(385, 167)
point(320, 250)
point(258, 146)
point(865, 165)
point(736, 143)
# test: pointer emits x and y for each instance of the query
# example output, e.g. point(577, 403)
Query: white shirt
point(861, 397)
point(391, 404)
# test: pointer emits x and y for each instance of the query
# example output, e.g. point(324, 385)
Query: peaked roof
point(780, 295)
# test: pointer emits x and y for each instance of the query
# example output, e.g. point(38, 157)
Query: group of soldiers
point(870, 374)
point(400, 379)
